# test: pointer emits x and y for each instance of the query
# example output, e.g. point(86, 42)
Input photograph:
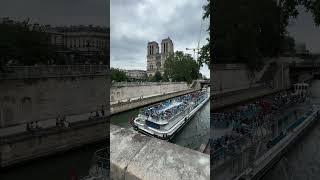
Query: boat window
point(153, 125)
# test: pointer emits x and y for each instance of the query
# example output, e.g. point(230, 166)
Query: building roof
point(152, 42)
point(167, 39)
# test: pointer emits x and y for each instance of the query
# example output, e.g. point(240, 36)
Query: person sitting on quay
point(37, 126)
point(58, 121)
point(28, 126)
point(91, 115)
point(102, 110)
point(65, 123)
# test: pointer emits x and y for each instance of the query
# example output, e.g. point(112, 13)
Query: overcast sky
point(58, 12)
point(304, 30)
point(135, 23)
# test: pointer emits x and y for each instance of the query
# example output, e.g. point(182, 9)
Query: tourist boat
point(301, 89)
point(163, 120)
point(279, 144)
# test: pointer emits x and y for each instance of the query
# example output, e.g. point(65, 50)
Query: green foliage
point(157, 77)
point(288, 45)
point(181, 67)
point(244, 31)
point(25, 46)
point(204, 54)
point(118, 76)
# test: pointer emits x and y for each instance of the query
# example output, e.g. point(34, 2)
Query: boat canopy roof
point(301, 84)
point(161, 113)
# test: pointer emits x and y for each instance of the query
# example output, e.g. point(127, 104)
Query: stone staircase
point(269, 73)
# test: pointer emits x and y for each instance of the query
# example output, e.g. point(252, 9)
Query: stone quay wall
point(18, 148)
point(136, 156)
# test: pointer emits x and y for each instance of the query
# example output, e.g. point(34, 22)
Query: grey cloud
point(134, 24)
point(58, 12)
point(304, 30)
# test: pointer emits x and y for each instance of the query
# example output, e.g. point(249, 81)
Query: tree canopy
point(244, 31)
point(23, 45)
point(118, 75)
point(157, 77)
point(181, 67)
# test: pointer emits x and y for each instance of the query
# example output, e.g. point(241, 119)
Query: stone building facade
point(136, 74)
point(84, 44)
point(79, 44)
point(155, 59)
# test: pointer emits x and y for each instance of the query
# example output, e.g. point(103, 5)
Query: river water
point(303, 161)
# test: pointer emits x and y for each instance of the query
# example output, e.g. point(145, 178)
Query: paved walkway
point(241, 97)
point(217, 92)
point(137, 98)
point(43, 124)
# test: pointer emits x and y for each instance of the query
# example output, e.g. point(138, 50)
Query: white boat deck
point(174, 103)
point(169, 126)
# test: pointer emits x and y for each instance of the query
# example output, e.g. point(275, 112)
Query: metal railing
point(102, 162)
point(144, 83)
point(42, 71)
point(100, 166)
point(241, 152)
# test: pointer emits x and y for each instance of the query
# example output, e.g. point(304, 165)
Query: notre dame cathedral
point(155, 60)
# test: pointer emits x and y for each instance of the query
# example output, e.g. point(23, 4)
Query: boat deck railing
point(102, 161)
point(251, 146)
point(175, 110)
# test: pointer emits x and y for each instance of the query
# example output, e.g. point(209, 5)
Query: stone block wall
point(230, 76)
point(26, 100)
point(26, 146)
point(135, 156)
point(123, 91)
point(120, 107)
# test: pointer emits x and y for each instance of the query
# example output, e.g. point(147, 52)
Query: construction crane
point(194, 51)
point(198, 48)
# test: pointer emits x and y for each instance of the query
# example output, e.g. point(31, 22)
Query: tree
point(118, 75)
point(244, 31)
point(288, 45)
point(26, 46)
point(157, 77)
point(181, 67)
point(204, 53)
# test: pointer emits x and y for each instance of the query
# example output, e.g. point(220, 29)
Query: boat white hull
point(168, 134)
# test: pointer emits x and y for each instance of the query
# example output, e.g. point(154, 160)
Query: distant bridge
point(302, 72)
point(204, 83)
